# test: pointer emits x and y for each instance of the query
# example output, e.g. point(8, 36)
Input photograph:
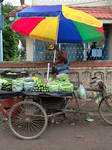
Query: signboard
point(96, 52)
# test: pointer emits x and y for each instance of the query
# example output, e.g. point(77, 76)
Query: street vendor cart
point(28, 112)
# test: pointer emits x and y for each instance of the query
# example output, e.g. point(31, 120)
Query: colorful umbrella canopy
point(58, 23)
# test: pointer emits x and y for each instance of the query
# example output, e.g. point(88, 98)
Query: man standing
point(62, 67)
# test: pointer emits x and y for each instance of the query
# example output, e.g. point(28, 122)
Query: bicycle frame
point(81, 109)
point(101, 94)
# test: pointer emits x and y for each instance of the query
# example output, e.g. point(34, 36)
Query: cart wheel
point(27, 120)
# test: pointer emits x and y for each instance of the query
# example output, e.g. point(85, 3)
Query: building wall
point(73, 2)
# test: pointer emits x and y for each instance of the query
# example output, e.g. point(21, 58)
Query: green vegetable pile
point(53, 87)
point(7, 85)
point(40, 87)
point(66, 87)
point(1, 82)
point(28, 80)
point(63, 79)
point(36, 84)
point(17, 85)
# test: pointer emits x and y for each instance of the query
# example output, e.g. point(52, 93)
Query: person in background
point(62, 66)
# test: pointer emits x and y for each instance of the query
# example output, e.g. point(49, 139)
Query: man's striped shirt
point(63, 69)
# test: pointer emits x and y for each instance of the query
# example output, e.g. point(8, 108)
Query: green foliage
point(10, 44)
point(6, 8)
point(10, 37)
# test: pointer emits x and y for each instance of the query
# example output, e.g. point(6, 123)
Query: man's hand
point(53, 68)
point(56, 48)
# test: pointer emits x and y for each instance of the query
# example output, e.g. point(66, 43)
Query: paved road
point(80, 135)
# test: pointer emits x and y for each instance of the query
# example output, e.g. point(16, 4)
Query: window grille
point(75, 52)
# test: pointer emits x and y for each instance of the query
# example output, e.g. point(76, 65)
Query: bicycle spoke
point(27, 120)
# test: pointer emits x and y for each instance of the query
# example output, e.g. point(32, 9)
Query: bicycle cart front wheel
point(105, 109)
point(27, 120)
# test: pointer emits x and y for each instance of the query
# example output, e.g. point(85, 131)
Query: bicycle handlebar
point(93, 78)
point(98, 81)
point(92, 82)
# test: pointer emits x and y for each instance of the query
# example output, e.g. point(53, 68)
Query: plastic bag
point(28, 86)
point(53, 87)
point(66, 87)
point(81, 92)
point(17, 85)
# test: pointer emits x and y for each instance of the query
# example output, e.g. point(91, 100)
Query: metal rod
point(57, 30)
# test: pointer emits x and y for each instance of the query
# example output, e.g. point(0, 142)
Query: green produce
point(64, 78)
point(66, 87)
point(40, 87)
point(17, 85)
point(51, 78)
point(40, 80)
point(61, 79)
point(1, 82)
point(57, 81)
point(53, 87)
point(7, 86)
point(28, 80)
point(67, 81)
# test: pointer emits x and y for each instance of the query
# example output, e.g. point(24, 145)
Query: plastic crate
point(10, 74)
point(23, 74)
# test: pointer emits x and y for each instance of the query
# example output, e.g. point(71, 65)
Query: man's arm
point(60, 54)
point(53, 68)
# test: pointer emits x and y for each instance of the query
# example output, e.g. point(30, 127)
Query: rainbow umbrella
point(58, 24)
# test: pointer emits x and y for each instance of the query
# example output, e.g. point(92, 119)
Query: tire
point(27, 120)
point(105, 109)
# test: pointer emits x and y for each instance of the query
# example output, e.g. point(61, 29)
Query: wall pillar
point(29, 49)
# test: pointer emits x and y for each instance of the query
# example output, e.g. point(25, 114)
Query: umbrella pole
point(48, 71)
point(56, 40)
point(57, 30)
point(54, 56)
